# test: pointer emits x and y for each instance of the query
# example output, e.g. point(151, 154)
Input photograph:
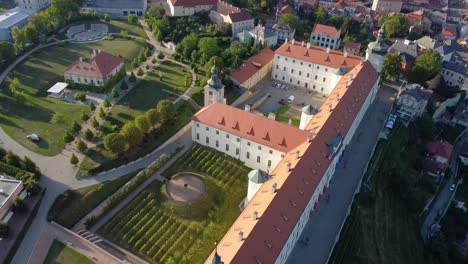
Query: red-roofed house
point(97, 71)
point(387, 6)
point(439, 153)
point(254, 69)
point(449, 32)
point(352, 47)
point(287, 9)
point(240, 20)
point(325, 36)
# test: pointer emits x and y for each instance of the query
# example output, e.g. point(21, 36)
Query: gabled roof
point(427, 42)
point(191, 3)
point(449, 30)
point(278, 212)
point(440, 148)
point(328, 30)
point(417, 92)
point(226, 8)
point(250, 126)
point(240, 16)
point(99, 66)
point(317, 55)
point(352, 45)
point(252, 65)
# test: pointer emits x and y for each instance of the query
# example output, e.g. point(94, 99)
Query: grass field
point(157, 228)
point(71, 206)
point(118, 26)
point(37, 74)
point(61, 254)
point(382, 227)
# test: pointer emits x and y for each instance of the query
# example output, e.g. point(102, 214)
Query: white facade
point(187, 10)
point(236, 27)
point(33, 4)
point(305, 74)
point(326, 41)
point(254, 155)
point(16, 17)
point(260, 34)
point(455, 79)
point(92, 80)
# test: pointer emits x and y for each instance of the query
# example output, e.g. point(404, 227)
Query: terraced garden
point(158, 229)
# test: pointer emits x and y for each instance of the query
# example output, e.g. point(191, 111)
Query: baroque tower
point(214, 90)
point(377, 50)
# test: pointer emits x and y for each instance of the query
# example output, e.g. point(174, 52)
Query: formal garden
point(61, 254)
point(160, 229)
point(34, 114)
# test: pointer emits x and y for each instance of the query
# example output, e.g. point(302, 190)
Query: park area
point(38, 73)
point(158, 228)
point(61, 254)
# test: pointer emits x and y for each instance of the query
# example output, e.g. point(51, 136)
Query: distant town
point(233, 131)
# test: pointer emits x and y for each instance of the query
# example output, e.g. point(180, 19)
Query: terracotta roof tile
point(352, 45)
point(317, 55)
point(278, 212)
point(99, 66)
point(329, 30)
point(253, 65)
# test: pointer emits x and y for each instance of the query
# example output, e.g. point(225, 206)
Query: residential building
point(117, 8)
point(260, 34)
point(190, 7)
point(16, 17)
point(280, 206)
point(448, 48)
point(387, 6)
point(449, 32)
point(283, 32)
point(413, 100)
point(419, 21)
point(97, 71)
point(455, 70)
point(439, 153)
point(240, 20)
point(460, 116)
point(408, 51)
point(9, 191)
point(35, 5)
point(254, 69)
point(427, 42)
point(352, 48)
point(325, 36)
point(312, 67)
point(286, 9)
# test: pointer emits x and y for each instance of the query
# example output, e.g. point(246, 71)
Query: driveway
point(324, 226)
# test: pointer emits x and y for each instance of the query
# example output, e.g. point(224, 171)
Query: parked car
point(33, 137)
point(291, 99)
point(281, 102)
point(452, 187)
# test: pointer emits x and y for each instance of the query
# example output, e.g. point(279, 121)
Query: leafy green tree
point(101, 113)
point(84, 116)
point(391, 67)
point(140, 72)
point(80, 96)
point(289, 20)
point(167, 110)
point(208, 47)
point(132, 133)
point(115, 93)
point(74, 159)
point(170, 260)
point(188, 45)
point(132, 78)
point(395, 25)
point(106, 103)
point(32, 186)
point(147, 52)
point(153, 117)
point(76, 127)
point(7, 52)
point(320, 14)
point(427, 65)
point(143, 123)
point(132, 18)
point(58, 118)
point(106, 17)
point(81, 146)
point(29, 165)
point(14, 86)
point(20, 206)
point(19, 39)
point(4, 230)
point(160, 56)
point(92, 106)
point(13, 159)
point(116, 143)
point(94, 123)
point(69, 137)
point(88, 134)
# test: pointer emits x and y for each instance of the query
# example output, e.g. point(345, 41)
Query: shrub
point(80, 96)
point(160, 55)
point(20, 206)
point(153, 61)
point(84, 117)
point(74, 159)
point(140, 72)
point(92, 106)
point(106, 103)
point(4, 230)
point(147, 66)
point(88, 134)
point(81, 146)
point(124, 85)
point(94, 123)
point(115, 93)
point(132, 77)
point(132, 18)
point(32, 186)
point(68, 137)
point(76, 127)
point(106, 17)
point(101, 113)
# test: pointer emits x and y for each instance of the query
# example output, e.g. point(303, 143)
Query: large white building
point(16, 17)
point(239, 20)
point(118, 8)
point(303, 65)
point(190, 7)
point(295, 166)
point(33, 4)
point(259, 34)
point(326, 36)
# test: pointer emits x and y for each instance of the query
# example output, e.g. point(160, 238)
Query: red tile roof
point(253, 65)
point(99, 66)
point(226, 8)
point(279, 212)
point(353, 45)
point(440, 148)
point(318, 55)
point(328, 30)
point(191, 3)
point(240, 16)
point(250, 126)
point(449, 30)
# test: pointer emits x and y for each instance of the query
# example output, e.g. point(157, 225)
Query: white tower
point(377, 50)
point(214, 90)
point(307, 113)
point(256, 179)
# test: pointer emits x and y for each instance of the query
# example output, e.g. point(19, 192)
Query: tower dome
point(379, 46)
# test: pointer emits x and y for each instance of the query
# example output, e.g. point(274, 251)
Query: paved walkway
point(324, 226)
point(167, 52)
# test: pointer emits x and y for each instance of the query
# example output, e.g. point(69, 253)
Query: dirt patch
point(185, 188)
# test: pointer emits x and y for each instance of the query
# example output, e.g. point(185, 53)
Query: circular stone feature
point(185, 188)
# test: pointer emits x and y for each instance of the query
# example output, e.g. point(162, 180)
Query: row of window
point(324, 39)
point(86, 81)
point(306, 85)
point(300, 73)
point(301, 63)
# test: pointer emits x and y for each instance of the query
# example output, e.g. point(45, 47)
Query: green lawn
point(118, 26)
point(71, 206)
point(61, 254)
point(37, 74)
point(157, 228)
point(382, 227)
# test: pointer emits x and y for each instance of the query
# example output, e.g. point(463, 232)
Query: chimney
point(241, 235)
point(288, 166)
point(345, 54)
point(328, 50)
point(302, 44)
point(351, 76)
point(272, 116)
point(309, 138)
point(255, 215)
point(286, 40)
point(361, 61)
point(330, 107)
point(247, 107)
point(290, 122)
point(293, 41)
point(347, 84)
point(273, 187)
point(308, 45)
point(337, 97)
point(298, 154)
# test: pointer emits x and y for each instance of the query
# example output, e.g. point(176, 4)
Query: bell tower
point(377, 50)
point(214, 89)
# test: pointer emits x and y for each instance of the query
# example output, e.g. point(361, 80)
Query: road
point(445, 196)
point(322, 231)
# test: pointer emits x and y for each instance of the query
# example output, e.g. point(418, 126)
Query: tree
point(106, 17)
point(143, 123)
point(132, 133)
point(427, 65)
point(76, 127)
point(81, 146)
point(57, 118)
point(153, 117)
point(160, 56)
point(132, 18)
point(94, 123)
point(115, 93)
point(29, 165)
point(74, 159)
point(391, 67)
point(4, 230)
point(32, 186)
point(147, 52)
point(20, 206)
point(166, 110)
point(289, 20)
point(170, 260)
point(88, 134)
point(101, 113)
point(132, 77)
point(188, 45)
point(13, 159)
point(116, 143)
point(92, 106)
point(7, 52)
point(68, 137)
point(14, 86)
point(106, 103)
point(19, 39)
point(80, 96)
point(395, 25)
point(84, 116)
point(124, 85)
point(208, 47)
point(319, 14)
point(140, 72)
